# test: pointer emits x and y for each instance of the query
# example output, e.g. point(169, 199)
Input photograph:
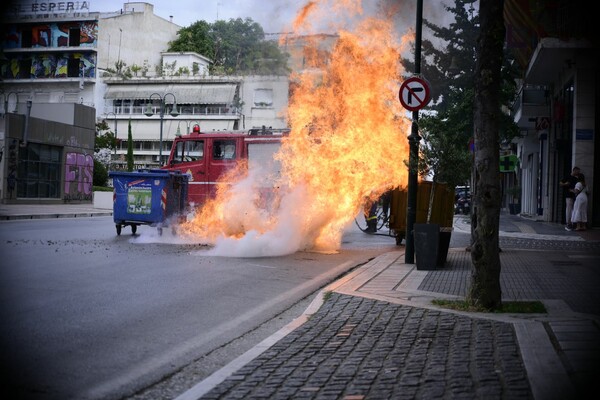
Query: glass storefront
point(39, 169)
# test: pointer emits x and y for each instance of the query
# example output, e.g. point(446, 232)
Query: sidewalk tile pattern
point(358, 348)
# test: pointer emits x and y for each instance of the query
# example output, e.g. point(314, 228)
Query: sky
point(272, 15)
point(275, 16)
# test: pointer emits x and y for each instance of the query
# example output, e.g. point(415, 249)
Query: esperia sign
point(34, 8)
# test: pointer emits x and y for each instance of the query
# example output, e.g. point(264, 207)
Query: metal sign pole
point(413, 140)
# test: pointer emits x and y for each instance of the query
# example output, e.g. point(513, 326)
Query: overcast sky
point(272, 15)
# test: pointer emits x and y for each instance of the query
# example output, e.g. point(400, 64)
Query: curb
point(54, 216)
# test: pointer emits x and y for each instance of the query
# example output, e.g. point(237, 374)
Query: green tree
point(485, 290)
point(444, 151)
point(196, 38)
point(448, 64)
point(236, 46)
point(450, 71)
point(100, 177)
point(106, 140)
point(129, 148)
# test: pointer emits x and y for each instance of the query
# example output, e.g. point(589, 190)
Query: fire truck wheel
point(118, 226)
point(133, 229)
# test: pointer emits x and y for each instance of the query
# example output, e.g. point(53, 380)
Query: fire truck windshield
point(189, 150)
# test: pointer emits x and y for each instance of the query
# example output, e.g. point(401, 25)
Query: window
point(263, 98)
point(188, 151)
point(26, 38)
point(73, 68)
point(224, 150)
point(194, 150)
point(25, 68)
point(39, 171)
point(74, 37)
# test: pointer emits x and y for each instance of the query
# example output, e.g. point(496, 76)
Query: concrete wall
point(136, 36)
point(273, 115)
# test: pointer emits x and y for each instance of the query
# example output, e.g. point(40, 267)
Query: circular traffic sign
point(414, 93)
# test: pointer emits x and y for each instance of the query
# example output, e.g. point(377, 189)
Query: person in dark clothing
point(568, 184)
point(370, 211)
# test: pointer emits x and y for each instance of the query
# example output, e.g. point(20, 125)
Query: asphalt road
point(88, 314)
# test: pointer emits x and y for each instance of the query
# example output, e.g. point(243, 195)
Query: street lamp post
point(149, 113)
point(116, 133)
point(6, 100)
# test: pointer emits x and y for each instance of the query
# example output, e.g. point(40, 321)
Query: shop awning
point(221, 93)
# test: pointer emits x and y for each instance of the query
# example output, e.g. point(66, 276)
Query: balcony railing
point(183, 110)
point(530, 96)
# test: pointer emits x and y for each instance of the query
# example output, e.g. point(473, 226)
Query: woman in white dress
point(579, 216)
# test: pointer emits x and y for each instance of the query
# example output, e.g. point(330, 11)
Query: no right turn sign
point(414, 93)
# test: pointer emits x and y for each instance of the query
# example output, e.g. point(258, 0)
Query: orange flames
point(348, 142)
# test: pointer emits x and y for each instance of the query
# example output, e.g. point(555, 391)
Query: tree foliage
point(445, 152)
point(447, 124)
point(100, 176)
point(449, 63)
point(106, 140)
point(237, 46)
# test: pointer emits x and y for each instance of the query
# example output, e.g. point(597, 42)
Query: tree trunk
point(485, 279)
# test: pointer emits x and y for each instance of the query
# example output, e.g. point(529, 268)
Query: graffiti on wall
point(79, 175)
point(87, 34)
point(51, 65)
point(52, 34)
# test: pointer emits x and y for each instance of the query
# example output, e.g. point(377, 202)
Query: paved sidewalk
point(375, 334)
point(61, 210)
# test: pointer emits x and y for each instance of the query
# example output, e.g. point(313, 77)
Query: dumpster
point(442, 217)
point(148, 197)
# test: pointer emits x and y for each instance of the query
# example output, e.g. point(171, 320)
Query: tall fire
point(348, 143)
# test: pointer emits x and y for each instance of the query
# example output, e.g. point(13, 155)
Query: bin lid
point(148, 173)
point(140, 173)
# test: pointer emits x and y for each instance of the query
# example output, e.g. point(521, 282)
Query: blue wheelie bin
point(153, 197)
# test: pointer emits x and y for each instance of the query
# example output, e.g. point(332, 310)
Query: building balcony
point(532, 102)
point(184, 110)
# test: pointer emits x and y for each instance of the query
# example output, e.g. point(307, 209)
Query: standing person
point(579, 217)
point(568, 184)
point(370, 211)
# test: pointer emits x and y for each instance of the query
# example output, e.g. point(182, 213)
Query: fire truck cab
point(206, 156)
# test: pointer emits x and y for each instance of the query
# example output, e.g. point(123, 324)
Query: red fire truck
point(206, 156)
